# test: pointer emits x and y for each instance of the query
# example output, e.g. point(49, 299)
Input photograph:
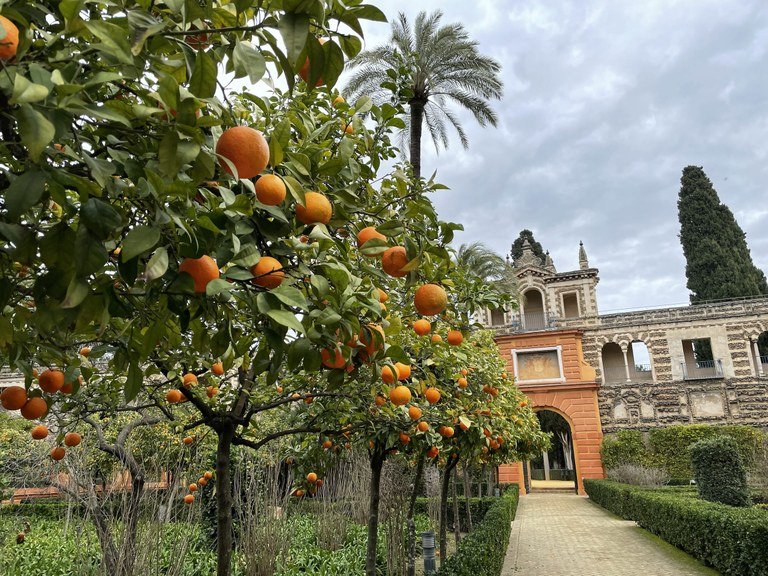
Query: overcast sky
point(605, 102)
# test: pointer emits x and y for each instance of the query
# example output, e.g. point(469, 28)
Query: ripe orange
point(308, 400)
point(348, 127)
point(304, 72)
point(404, 438)
point(338, 100)
point(393, 260)
point(189, 498)
point(446, 431)
point(245, 148)
point(298, 493)
point(433, 452)
point(423, 426)
point(400, 395)
point(211, 391)
point(279, 389)
point(217, 368)
point(333, 358)
point(34, 409)
point(432, 395)
point(414, 412)
point(193, 487)
point(268, 272)
point(208, 475)
point(389, 375)
point(317, 209)
point(464, 371)
point(464, 427)
point(188, 440)
point(312, 478)
point(174, 396)
point(372, 337)
point(380, 400)
point(430, 299)
point(13, 397)
point(422, 327)
point(369, 233)
point(202, 270)
point(189, 380)
point(462, 382)
point(455, 337)
point(58, 453)
point(270, 189)
point(85, 351)
point(403, 370)
point(202, 481)
point(39, 432)
point(10, 41)
point(69, 387)
point(487, 432)
point(383, 296)
point(504, 376)
point(436, 338)
point(327, 444)
point(72, 439)
point(51, 381)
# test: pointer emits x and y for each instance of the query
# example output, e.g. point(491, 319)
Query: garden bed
point(731, 540)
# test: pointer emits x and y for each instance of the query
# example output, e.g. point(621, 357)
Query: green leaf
point(26, 91)
point(203, 81)
point(333, 64)
point(76, 293)
point(133, 383)
point(113, 37)
point(142, 27)
point(217, 286)
point(104, 113)
point(139, 240)
point(246, 257)
point(90, 254)
point(248, 62)
point(24, 192)
point(352, 45)
point(157, 265)
point(35, 129)
point(316, 56)
point(363, 104)
point(294, 28)
point(100, 218)
point(169, 165)
point(287, 319)
point(369, 12)
point(290, 296)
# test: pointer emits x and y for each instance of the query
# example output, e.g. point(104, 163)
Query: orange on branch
point(203, 270)
point(208, 475)
point(39, 432)
point(430, 299)
point(422, 327)
point(316, 209)
point(414, 412)
point(436, 338)
point(211, 391)
point(403, 370)
point(462, 382)
point(393, 260)
point(312, 478)
point(13, 397)
point(189, 380)
point(446, 431)
point(85, 351)
point(380, 400)
point(188, 440)
point(404, 438)
point(51, 381)
point(390, 375)
point(270, 189)
point(9, 43)
point(383, 296)
point(217, 368)
point(189, 498)
point(333, 359)
point(268, 272)
point(455, 337)
point(423, 426)
point(174, 396)
point(193, 487)
point(400, 395)
point(202, 481)
point(432, 395)
point(433, 452)
point(58, 453)
point(366, 234)
point(34, 409)
point(372, 337)
point(464, 371)
point(244, 147)
point(327, 444)
point(72, 439)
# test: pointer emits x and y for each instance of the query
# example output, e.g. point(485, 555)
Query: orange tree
point(183, 231)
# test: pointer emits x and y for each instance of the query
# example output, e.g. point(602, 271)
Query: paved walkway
point(567, 535)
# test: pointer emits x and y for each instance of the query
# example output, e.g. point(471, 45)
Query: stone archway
point(556, 467)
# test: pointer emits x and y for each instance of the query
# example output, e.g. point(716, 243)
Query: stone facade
point(646, 369)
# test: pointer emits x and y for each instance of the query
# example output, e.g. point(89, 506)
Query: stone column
point(758, 362)
point(626, 363)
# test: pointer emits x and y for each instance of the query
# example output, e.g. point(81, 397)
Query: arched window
point(534, 317)
point(613, 364)
point(760, 352)
point(639, 362)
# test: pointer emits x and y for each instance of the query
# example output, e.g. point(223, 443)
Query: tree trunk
point(377, 462)
point(131, 520)
point(110, 557)
point(456, 519)
point(467, 497)
point(483, 476)
point(224, 501)
point(417, 121)
point(446, 483)
point(411, 512)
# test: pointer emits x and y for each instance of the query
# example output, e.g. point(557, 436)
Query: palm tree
point(433, 66)
point(481, 261)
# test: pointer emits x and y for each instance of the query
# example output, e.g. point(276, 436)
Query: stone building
point(596, 374)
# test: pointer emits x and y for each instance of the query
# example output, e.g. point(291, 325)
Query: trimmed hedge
point(731, 540)
point(720, 475)
point(625, 447)
point(483, 550)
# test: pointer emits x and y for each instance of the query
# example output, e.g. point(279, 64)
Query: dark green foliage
point(731, 540)
point(478, 508)
point(719, 472)
point(669, 446)
point(517, 245)
point(624, 447)
point(482, 552)
point(719, 264)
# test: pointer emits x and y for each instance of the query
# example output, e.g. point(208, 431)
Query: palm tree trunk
point(417, 120)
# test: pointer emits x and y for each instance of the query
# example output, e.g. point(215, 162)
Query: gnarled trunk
point(468, 497)
point(224, 501)
point(456, 520)
point(417, 121)
point(377, 463)
point(411, 512)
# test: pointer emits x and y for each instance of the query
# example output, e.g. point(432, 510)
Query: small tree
point(719, 471)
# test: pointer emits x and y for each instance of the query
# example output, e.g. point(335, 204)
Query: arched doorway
point(534, 316)
point(556, 467)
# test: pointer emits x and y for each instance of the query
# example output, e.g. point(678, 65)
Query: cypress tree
point(718, 262)
point(517, 245)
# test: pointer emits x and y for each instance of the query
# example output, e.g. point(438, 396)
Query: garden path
point(567, 535)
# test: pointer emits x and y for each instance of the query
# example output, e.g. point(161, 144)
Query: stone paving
point(567, 535)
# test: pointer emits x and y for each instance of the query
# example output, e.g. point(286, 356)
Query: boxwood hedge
point(731, 540)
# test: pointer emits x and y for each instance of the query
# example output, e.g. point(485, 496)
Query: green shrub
point(732, 540)
point(478, 507)
point(720, 475)
point(624, 447)
point(483, 550)
point(670, 445)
